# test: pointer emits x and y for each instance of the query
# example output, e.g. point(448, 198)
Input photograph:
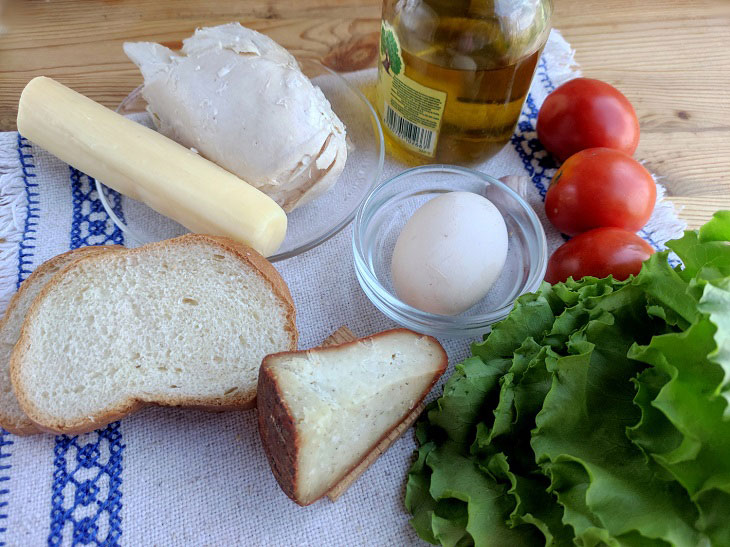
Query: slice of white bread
point(182, 322)
point(12, 418)
point(322, 411)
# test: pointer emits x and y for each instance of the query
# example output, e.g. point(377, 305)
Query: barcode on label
point(415, 135)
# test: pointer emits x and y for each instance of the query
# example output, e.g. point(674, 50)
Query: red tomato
point(600, 187)
point(585, 113)
point(599, 253)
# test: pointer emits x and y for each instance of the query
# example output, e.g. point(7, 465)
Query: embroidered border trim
point(5, 441)
point(25, 251)
point(91, 225)
point(27, 244)
point(540, 165)
point(92, 468)
point(86, 499)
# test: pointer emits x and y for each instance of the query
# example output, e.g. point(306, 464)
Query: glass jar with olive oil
point(453, 74)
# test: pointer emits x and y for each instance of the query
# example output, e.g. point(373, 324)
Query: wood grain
point(341, 336)
point(670, 57)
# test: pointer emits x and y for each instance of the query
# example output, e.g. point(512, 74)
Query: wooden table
point(670, 57)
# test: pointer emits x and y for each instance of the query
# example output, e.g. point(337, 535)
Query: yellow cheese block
point(148, 167)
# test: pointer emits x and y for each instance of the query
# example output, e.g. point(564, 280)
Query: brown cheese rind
point(278, 431)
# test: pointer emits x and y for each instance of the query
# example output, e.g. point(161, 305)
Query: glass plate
point(309, 225)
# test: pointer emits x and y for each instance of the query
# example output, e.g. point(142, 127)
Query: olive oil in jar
point(482, 105)
point(451, 88)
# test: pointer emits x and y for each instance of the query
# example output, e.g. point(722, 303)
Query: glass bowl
point(387, 209)
point(309, 225)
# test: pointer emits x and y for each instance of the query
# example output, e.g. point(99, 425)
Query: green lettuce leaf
point(596, 413)
point(534, 504)
point(688, 400)
point(532, 316)
point(667, 289)
point(459, 410)
point(715, 302)
point(418, 499)
point(714, 506)
point(705, 254)
point(583, 423)
point(455, 475)
point(654, 433)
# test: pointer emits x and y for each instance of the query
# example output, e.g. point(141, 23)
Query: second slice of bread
point(12, 417)
point(183, 322)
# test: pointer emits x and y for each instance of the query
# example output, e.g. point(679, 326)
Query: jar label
point(411, 112)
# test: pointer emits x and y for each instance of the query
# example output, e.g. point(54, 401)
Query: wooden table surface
point(670, 58)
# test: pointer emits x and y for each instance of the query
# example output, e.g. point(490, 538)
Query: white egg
point(449, 253)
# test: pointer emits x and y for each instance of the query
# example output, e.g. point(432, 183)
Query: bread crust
point(277, 428)
point(27, 427)
point(241, 401)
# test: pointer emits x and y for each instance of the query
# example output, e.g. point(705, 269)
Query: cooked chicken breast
point(241, 100)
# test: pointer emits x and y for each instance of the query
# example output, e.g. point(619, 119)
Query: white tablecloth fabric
point(174, 477)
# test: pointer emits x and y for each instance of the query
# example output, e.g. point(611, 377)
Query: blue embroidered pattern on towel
point(540, 165)
point(86, 497)
point(545, 79)
point(91, 225)
point(27, 244)
point(25, 252)
point(5, 442)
